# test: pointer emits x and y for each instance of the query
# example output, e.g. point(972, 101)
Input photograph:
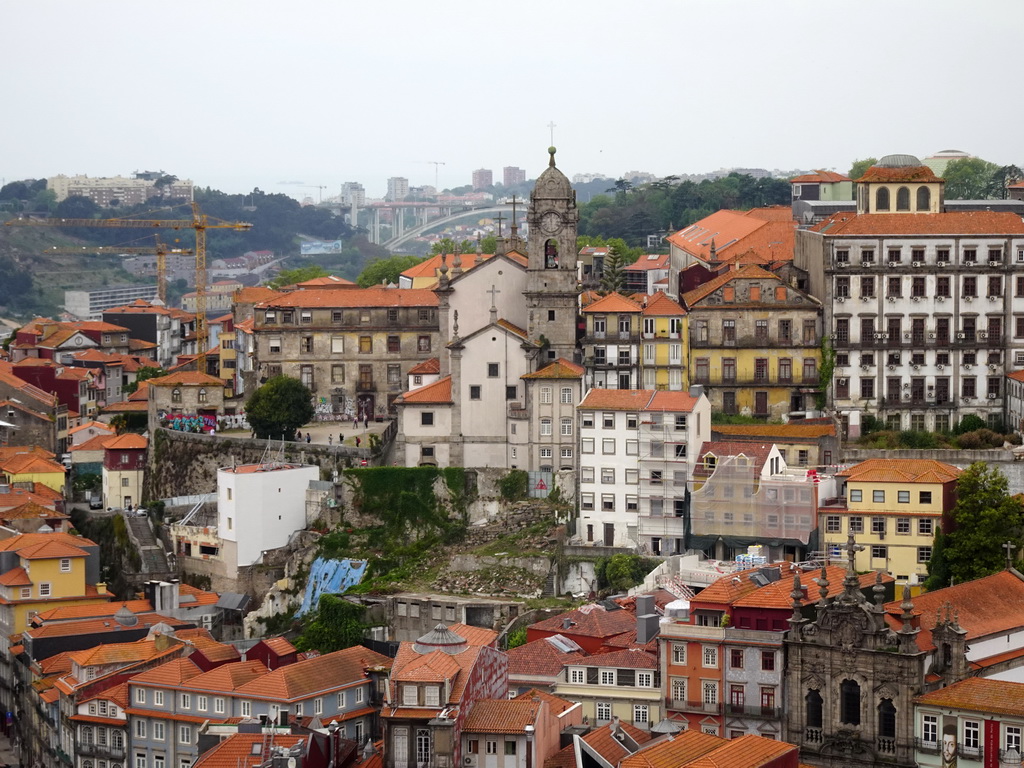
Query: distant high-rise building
point(513, 175)
point(398, 188)
point(352, 193)
point(119, 190)
point(482, 179)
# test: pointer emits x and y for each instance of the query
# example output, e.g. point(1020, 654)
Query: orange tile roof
point(539, 658)
point(671, 401)
point(819, 176)
point(630, 658)
point(510, 326)
point(99, 625)
point(604, 742)
point(648, 262)
point(227, 677)
point(591, 620)
point(560, 369)
point(95, 610)
point(127, 441)
point(901, 471)
point(979, 694)
point(501, 716)
point(791, 430)
point(613, 302)
point(433, 365)
point(215, 651)
point(474, 635)
point(464, 662)
point(679, 751)
point(951, 223)
point(556, 704)
point(254, 294)
point(97, 443)
point(116, 653)
point(236, 751)
point(30, 510)
point(439, 392)
point(747, 271)
point(92, 425)
point(279, 645)
point(305, 678)
point(354, 297)
point(34, 540)
point(986, 606)
point(8, 452)
point(904, 173)
point(328, 281)
point(617, 399)
point(185, 378)
point(436, 667)
point(172, 673)
point(660, 305)
point(16, 577)
point(48, 550)
point(17, 496)
point(767, 231)
point(28, 464)
point(126, 407)
point(1016, 375)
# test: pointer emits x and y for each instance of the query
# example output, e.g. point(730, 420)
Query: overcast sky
point(236, 95)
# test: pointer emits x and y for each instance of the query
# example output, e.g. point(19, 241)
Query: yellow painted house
point(41, 571)
point(31, 467)
point(664, 344)
point(893, 509)
point(754, 343)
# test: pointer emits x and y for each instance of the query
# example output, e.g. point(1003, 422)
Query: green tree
point(336, 625)
point(279, 407)
point(145, 372)
point(858, 167)
point(613, 279)
point(447, 245)
point(984, 518)
point(386, 270)
point(297, 275)
point(969, 179)
point(1002, 178)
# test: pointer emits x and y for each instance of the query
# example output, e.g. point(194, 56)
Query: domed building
point(899, 184)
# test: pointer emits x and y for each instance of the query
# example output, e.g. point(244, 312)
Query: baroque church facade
point(509, 378)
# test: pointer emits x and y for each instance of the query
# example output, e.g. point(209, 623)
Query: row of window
point(762, 369)
point(305, 316)
point(916, 391)
point(784, 332)
point(970, 285)
point(603, 713)
point(918, 333)
point(201, 397)
point(599, 324)
point(142, 761)
point(970, 734)
point(834, 524)
point(112, 737)
point(202, 702)
point(968, 255)
point(307, 345)
point(491, 747)
point(641, 679)
point(881, 552)
point(159, 731)
point(709, 657)
point(902, 497)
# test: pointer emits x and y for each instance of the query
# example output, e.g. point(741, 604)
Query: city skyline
point(258, 103)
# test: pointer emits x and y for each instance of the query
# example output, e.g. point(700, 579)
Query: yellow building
point(622, 684)
point(611, 351)
point(893, 508)
point(664, 347)
point(43, 571)
point(31, 467)
point(754, 343)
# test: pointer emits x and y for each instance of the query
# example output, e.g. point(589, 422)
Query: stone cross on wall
point(852, 548)
point(494, 291)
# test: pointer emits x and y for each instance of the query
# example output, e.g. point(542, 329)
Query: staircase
point(551, 583)
point(151, 550)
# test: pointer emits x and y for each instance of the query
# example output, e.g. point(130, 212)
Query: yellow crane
point(160, 249)
point(199, 223)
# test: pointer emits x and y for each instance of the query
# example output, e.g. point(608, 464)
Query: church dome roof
point(552, 183)
point(898, 161)
point(125, 617)
point(440, 638)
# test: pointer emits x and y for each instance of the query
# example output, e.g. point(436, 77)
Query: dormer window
point(710, 462)
point(432, 696)
point(410, 695)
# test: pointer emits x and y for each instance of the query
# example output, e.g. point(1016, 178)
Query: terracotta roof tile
point(173, 673)
point(951, 223)
point(34, 540)
point(99, 625)
point(748, 271)
point(560, 369)
point(31, 510)
point(327, 281)
point(791, 430)
point(97, 443)
point(116, 653)
point(660, 305)
point(98, 425)
point(613, 302)
point(236, 751)
point(901, 471)
point(431, 366)
point(501, 716)
point(305, 678)
point(669, 401)
point(556, 704)
point(48, 550)
point(28, 464)
point(355, 297)
point(408, 657)
point(630, 658)
point(92, 611)
point(16, 577)
point(679, 751)
point(825, 177)
point(768, 231)
point(227, 677)
point(439, 392)
point(978, 694)
point(509, 326)
point(539, 658)
point(591, 620)
point(128, 441)
point(648, 262)
point(904, 173)
point(185, 378)
point(617, 399)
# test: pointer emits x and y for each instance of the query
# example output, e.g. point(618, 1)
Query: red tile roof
point(630, 658)
point(354, 297)
point(560, 369)
point(128, 441)
point(591, 620)
point(32, 510)
point(660, 305)
point(951, 223)
point(613, 302)
point(681, 750)
point(767, 231)
point(758, 454)
point(901, 471)
point(978, 694)
point(185, 378)
point(328, 281)
point(670, 401)
point(16, 577)
point(236, 751)
point(310, 676)
point(986, 606)
point(540, 658)
point(747, 272)
point(95, 610)
point(227, 677)
point(826, 177)
point(97, 443)
point(170, 674)
point(439, 392)
point(617, 399)
point(556, 704)
point(254, 294)
point(501, 716)
point(32, 542)
point(26, 464)
point(648, 262)
point(903, 173)
point(433, 365)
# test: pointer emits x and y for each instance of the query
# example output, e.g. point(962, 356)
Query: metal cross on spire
point(499, 218)
point(551, 128)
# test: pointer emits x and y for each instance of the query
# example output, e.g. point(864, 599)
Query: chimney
point(696, 390)
point(647, 627)
point(566, 623)
point(101, 587)
point(644, 605)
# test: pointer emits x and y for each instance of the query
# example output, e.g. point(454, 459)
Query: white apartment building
point(925, 309)
point(636, 454)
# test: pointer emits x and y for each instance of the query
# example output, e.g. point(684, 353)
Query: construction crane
point(199, 223)
point(321, 187)
point(160, 249)
point(436, 165)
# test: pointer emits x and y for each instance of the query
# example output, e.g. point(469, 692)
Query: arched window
point(886, 719)
point(813, 704)
point(924, 199)
point(849, 702)
point(175, 395)
point(551, 254)
point(202, 395)
point(882, 199)
point(903, 199)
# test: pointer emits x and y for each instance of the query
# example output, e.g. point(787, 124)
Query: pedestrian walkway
point(319, 431)
point(8, 756)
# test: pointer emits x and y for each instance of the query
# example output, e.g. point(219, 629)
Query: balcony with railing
point(102, 751)
point(694, 707)
point(753, 710)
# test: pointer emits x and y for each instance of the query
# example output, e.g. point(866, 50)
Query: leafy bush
point(517, 637)
point(926, 440)
point(514, 486)
point(969, 423)
point(980, 438)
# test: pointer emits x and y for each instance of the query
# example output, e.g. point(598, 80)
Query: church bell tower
point(551, 287)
